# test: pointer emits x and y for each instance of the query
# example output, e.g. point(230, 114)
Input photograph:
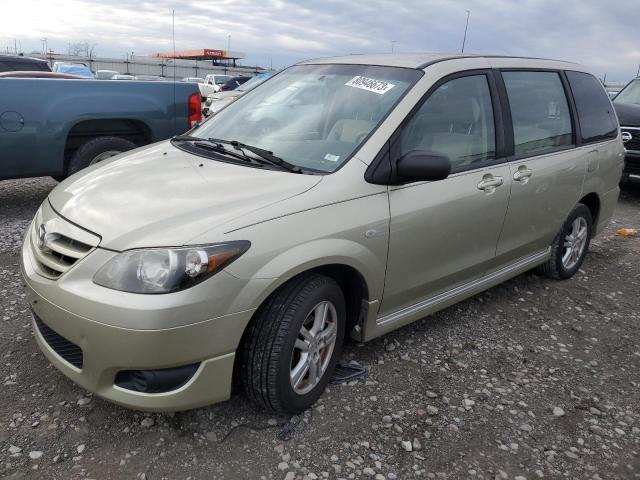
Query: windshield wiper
point(265, 155)
point(215, 146)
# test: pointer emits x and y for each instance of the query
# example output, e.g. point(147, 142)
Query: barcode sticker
point(370, 85)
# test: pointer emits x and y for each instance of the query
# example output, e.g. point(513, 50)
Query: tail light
point(195, 110)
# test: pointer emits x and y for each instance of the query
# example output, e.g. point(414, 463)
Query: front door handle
point(523, 174)
point(489, 183)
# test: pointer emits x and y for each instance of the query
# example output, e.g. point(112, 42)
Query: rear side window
point(457, 121)
point(539, 111)
point(595, 113)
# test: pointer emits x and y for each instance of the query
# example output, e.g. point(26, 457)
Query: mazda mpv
point(343, 197)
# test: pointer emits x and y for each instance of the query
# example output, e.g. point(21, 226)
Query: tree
point(82, 49)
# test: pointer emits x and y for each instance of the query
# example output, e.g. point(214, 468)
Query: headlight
point(164, 270)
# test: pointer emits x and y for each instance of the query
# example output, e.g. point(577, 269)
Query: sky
point(602, 35)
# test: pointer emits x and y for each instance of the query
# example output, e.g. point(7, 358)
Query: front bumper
point(108, 350)
point(116, 331)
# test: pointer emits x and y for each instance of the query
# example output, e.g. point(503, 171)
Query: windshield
point(313, 116)
point(630, 93)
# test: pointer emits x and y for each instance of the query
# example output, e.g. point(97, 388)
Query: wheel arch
point(134, 130)
point(350, 280)
point(592, 202)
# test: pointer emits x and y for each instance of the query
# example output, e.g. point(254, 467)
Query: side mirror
point(423, 165)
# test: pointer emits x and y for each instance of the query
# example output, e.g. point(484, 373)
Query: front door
point(445, 233)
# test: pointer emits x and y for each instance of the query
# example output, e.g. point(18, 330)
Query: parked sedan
point(234, 83)
point(18, 63)
point(219, 100)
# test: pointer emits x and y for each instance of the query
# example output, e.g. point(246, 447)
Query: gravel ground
point(533, 378)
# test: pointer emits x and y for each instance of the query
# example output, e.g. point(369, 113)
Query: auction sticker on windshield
point(370, 84)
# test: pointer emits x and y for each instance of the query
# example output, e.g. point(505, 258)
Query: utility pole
point(464, 39)
point(638, 73)
point(393, 45)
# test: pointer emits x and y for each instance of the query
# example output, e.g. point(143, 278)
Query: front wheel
point(96, 150)
point(291, 347)
point(570, 245)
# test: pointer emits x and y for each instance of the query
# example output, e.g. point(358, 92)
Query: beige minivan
point(343, 196)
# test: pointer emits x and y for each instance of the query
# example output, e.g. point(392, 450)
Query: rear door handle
point(489, 183)
point(522, 175)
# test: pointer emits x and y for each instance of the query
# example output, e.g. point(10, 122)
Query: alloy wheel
point(574, 243)
point(313, 347)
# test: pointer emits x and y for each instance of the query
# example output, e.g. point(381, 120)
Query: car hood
point(628, 114)
point(162, 196)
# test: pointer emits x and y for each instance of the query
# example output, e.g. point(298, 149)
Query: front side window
point(457, 121)
point(312, 116)
point(539, 112)
point(629, 94)
point(595, 113)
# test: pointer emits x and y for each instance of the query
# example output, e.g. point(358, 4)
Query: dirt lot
point(533, 378)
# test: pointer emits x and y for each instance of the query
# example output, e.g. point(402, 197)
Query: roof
point(412, 60)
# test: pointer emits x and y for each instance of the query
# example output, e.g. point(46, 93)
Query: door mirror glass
point(423, 165)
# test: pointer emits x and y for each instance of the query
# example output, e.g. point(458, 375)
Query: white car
point(123, 76)
point(106, 74)
point(212, 84)
point(193, 80)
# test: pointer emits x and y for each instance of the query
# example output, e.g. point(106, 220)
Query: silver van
point(342, 197)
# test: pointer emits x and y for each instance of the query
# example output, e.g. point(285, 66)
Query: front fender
point(353, 233)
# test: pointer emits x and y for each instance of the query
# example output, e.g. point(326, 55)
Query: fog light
point(155, 381)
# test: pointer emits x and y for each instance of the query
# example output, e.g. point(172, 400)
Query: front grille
point(634, 143)
point(56, 244)
point(57, 253)
point(69, 351)
point(632, 165)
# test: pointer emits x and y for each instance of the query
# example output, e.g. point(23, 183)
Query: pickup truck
point(627, 105)
point(212, 84)
point(56, 127)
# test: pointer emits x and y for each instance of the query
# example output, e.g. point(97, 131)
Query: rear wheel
point(292, 345)
point(570, 245)
point(96, 150)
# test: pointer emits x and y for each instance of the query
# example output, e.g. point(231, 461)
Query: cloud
point(602, 36)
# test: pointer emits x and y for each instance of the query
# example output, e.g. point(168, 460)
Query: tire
point(557, 267)
point(91, 151)
point(269, 352)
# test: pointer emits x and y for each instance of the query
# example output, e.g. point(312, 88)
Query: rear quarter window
point(595, 112)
